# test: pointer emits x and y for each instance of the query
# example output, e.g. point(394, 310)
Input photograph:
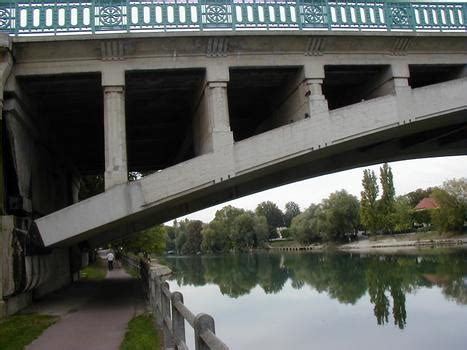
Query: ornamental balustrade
point(52, 17)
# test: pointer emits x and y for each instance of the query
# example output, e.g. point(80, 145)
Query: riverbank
point(381, 243)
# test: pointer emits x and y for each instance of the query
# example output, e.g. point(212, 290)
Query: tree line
point(336, 218)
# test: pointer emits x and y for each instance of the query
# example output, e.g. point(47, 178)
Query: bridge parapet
point(41, 17)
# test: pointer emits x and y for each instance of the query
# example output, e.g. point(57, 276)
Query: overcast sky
point(408, 176)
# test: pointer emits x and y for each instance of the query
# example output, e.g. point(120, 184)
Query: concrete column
point(6, 63)
point(316, 100)
point(218, 113)
point(116, 170)
point(400, 77)
point(318, 105)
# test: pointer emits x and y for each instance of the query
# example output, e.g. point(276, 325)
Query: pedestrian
point(110, 260)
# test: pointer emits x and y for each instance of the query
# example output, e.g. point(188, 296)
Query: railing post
point(166, 319)
point(178, 322)
point(202, 323)
point(158, 302)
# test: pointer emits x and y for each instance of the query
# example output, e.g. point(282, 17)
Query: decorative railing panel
point(28, 17)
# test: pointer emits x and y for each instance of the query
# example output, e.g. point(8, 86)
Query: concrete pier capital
point(113, 88)
point(217, 84)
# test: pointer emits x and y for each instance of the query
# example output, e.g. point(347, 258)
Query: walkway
point(94, 315)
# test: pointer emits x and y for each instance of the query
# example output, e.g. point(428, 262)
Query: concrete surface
point(93, 315)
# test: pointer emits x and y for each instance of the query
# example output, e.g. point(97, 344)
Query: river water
point(329, 300)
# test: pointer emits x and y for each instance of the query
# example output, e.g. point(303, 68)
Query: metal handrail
point(55, 17)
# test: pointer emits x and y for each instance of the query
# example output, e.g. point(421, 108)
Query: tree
point(291, 210)
point(170, 236)
point(273, 215)
point(261, 231)
point(368, 204)
point(402, 215)
point(305, 228)
point(217, 236)
point(452, 205)
point(150, 241)
point(243, 231)
point(340, 214)
point(386, 203)
point(193, 237)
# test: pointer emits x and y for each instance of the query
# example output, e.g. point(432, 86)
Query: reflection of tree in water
point(385, 275)
point(344, 277)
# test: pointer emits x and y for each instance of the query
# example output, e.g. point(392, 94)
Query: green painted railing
point(41, 17)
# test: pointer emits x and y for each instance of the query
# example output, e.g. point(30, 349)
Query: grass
point(288, 243)
point(20, 330)
point(141, 334)
point(95, 271)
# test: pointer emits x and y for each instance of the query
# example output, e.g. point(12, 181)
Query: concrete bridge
point(229, 99)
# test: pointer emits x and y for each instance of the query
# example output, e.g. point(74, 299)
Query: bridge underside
point(208, 117)
point(383, 129)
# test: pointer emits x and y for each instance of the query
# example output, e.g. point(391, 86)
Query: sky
point(408, 176)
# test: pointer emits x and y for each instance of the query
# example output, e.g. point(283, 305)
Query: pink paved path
point(100, 322)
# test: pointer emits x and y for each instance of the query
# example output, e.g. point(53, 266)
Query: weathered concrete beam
point(127, 207)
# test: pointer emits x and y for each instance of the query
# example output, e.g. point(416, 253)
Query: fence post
point(202, 323)
point(158, 302)
point(166, 319)
point(178, 322)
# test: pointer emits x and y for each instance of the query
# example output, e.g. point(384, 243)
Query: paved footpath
point(94, 315)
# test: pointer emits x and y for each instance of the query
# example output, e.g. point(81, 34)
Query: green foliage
point(422, 217)
point(95, 271)
point(402, 217)
point(243, 231)
point(291, 210)
point(170, 236)
point(194, 237)
point(340, 216)
point(141, 334)
point(285, 233)
point(261, 231)
point(386, 203)
point(452, 205)
point(368, 203)
point(273, 215)
point(20, 330)
point(305, 228)
point(149, 241)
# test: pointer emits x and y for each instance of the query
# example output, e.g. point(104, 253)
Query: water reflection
point(344, 277)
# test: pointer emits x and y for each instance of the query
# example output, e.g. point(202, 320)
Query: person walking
point(110, 260)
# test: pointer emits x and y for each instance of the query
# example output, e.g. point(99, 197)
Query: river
point(329, 300)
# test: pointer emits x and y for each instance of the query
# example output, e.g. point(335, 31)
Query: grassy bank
point(141, 334)
point(20, 330)
point(94, 271)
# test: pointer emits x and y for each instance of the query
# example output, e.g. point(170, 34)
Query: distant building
point(427, 203)
point(422, 216)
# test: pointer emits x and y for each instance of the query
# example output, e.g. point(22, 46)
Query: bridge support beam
point(219, 115)
point(116, 169)
point(317, 103)
point(400, 78)
point(211, 122)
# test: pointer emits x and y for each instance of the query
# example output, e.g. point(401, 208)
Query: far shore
point(380, 244)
